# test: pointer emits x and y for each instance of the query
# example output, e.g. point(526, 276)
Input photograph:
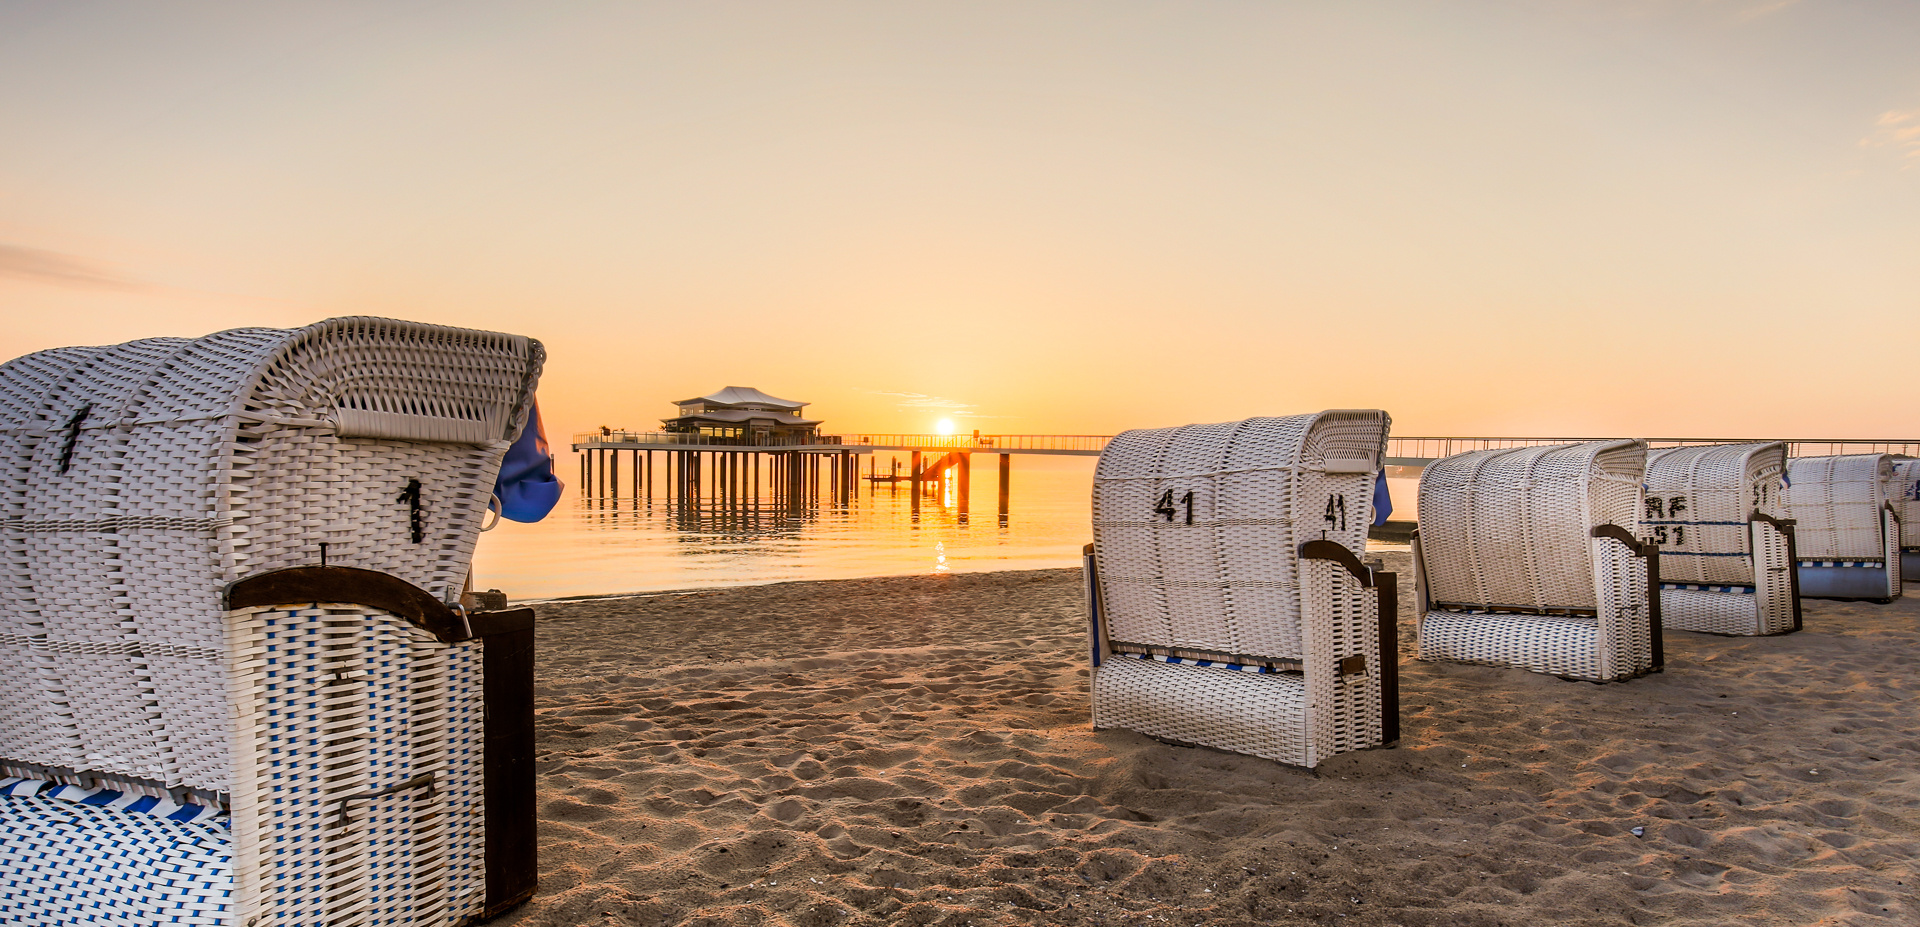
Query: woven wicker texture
point(65, 862)
point(348, 703)
point(143, 478)
point(1699, 508)
point(1562, 645)
point(1507, 561)
point(1197, 532)
point(1903, 492)
point(1507, 528)
point(1836, 505)
point(1848, 529)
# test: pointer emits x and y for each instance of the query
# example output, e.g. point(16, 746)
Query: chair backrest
point(1512, 528)
point(1197, 530)
point(1836, 503)
point(142, 478)
point(1700, 503)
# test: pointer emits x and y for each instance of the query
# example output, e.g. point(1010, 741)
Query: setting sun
point(944, 426)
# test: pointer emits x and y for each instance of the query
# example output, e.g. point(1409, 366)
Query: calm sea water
point(602, 547)
point(598, 546)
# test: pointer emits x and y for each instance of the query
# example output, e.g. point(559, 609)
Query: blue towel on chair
point(526, 486)
point(1382, 501)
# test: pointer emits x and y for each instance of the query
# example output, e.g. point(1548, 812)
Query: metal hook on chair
point(425, 779)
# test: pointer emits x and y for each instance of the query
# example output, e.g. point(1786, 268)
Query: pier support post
point(966, 485)
point(914, 472)
point(1006, 482)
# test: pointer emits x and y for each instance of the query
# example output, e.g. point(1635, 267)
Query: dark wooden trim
point(1422, 597)
point(1639, 548)
point(1655, 630)
point(512, 850)
point(311, 584)
point(1386, 587)
point(1779, 524)
point(1793, 571)
point(505, 621)
point(1097, 643)
point(1334, 551)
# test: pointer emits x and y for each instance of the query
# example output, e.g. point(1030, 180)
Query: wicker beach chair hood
point(142, 481)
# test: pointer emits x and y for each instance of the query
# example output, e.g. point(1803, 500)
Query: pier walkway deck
point(1401, 451)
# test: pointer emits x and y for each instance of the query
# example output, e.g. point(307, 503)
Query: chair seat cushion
point(1561, 645)
point(1258, 714)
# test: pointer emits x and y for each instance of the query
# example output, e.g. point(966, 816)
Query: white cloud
point(59, 269)
point(1899, 130)
point(924, 401)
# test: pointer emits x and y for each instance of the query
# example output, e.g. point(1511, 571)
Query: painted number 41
point(1337, 513)
point(1165, 506)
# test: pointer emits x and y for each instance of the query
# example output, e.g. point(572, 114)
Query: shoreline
point(1393, 536)
point(916, 749)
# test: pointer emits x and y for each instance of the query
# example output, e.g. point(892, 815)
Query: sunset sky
point(1643, 217)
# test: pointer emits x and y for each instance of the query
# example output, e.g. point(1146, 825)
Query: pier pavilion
point(743, 414)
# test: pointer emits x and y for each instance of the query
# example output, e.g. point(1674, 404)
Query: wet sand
point(916, 750)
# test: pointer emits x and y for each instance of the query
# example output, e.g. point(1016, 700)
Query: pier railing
point(1058, 444)
point(1078, 444)
point(617, 438)
point(1419, 450)
point(1404, 451)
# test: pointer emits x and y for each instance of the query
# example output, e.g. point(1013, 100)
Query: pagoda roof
point(743, 395)
point(736, 416)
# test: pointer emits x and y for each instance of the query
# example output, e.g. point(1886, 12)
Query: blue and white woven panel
point(110, 798)
point(97, 861)
point(1188, 661)
point(358, 709)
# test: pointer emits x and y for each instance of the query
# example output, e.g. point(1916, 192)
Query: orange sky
point(1639, 217)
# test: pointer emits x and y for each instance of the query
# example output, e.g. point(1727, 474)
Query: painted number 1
point(1165, 506)
point(1337, 513)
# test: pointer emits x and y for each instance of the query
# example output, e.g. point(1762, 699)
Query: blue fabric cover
point(1382, 500)
point(526, 488)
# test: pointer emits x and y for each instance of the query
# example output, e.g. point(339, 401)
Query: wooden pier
point(701, 471)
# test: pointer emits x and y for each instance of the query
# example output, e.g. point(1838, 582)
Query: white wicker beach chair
point(1846, 529)
point(237, 693)
point(1229, 606)
point(1528, 557)
point(1903, 491)
point(1726, 554)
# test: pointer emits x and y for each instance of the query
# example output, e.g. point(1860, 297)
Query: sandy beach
point(916, 750)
